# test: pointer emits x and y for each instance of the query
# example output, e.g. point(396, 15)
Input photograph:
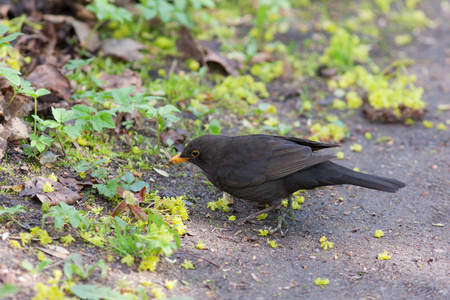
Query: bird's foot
point(281, 219)
point(267, 209)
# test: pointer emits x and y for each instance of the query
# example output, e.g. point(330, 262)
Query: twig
point(172, 67)
point(199, 257)
point(226, 237)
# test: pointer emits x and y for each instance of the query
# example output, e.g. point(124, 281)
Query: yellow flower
point(15, 244)
point(188, 265)
point(41, 256)
point(48, 188)
point(263, 232)
point(428, 124)
point(128, 260)
point(321, 282)
point(272, 244)
point(149, 263)
point(379, 233)
point(158, 293)
point(384, 256)
point(261, 217)
point(200, 246)
point(170, 284)
point(356, 147)
point(44, 237)
point(68, 239)
point(325, 244)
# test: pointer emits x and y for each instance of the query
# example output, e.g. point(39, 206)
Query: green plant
point(130, 201)
point(89, 291)
point(74, 266)
point(393, 91)
point(7, 290)
point(237, 93)
point(265, 23)
point(95, 168)
point(11, 74)
point(35, 270)
point(88, 118)
point(129, 182)
point(161, 115)
point(104, 10)
point(134, 241)
point(61, 117)
point(11, 211)
point(22, 86)
point(344, 50)
point(214, 127)
point(171, 11)
point(62, 213)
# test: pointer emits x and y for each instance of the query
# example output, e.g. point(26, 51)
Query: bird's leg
point(267, 209)
point(287, 211)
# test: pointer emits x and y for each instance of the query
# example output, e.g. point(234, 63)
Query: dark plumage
point(267, 169)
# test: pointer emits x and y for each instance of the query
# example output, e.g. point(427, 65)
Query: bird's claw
point(281, 218)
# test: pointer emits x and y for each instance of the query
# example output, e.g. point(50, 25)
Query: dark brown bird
point(268, 169)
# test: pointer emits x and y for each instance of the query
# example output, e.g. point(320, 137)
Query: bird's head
point(203, 151)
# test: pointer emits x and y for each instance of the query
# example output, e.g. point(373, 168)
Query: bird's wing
point(288, 158)
point(265, 158)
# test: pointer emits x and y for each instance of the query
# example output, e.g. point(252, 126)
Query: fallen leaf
point(82, 30)
point(206, 52)
point(49, 77)
point(54, 250)
point(34, 187)
point(188, 46)
point(126, 49)
point(161, 172)
point(15, 188)
point(73, 183)
point(3, 146)
point(262, 57)
point(177, 136)
point(126, 78)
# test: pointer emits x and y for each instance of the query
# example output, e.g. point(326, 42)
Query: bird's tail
point(370, 181)
point(329, 173)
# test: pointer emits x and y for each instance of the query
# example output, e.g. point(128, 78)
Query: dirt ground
point(239, 264)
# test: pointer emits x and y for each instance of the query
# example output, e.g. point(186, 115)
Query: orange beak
point(177, 159)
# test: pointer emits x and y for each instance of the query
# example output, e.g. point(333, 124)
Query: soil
point(239, 264)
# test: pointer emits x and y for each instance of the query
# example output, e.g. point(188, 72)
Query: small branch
point(199, 257)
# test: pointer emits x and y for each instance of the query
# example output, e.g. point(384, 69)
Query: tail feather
point(371, 181)
point(329, 173)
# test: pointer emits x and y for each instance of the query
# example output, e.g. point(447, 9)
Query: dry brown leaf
point(126, 49)
point(188, 46)
point(15, 188)
point(56, 251)
point(12, 128)
point(262, 57)
point(73, 183)
point(126, 78)
point(34, 187)
point(7, 276)
point(49, 77)
point(206, 52)
point(177, 136)
point(3, 146)
point(82, 30)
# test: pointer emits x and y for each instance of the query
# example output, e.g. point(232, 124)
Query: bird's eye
point(195, 153)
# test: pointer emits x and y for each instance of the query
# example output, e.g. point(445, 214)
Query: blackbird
point(268, 169)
